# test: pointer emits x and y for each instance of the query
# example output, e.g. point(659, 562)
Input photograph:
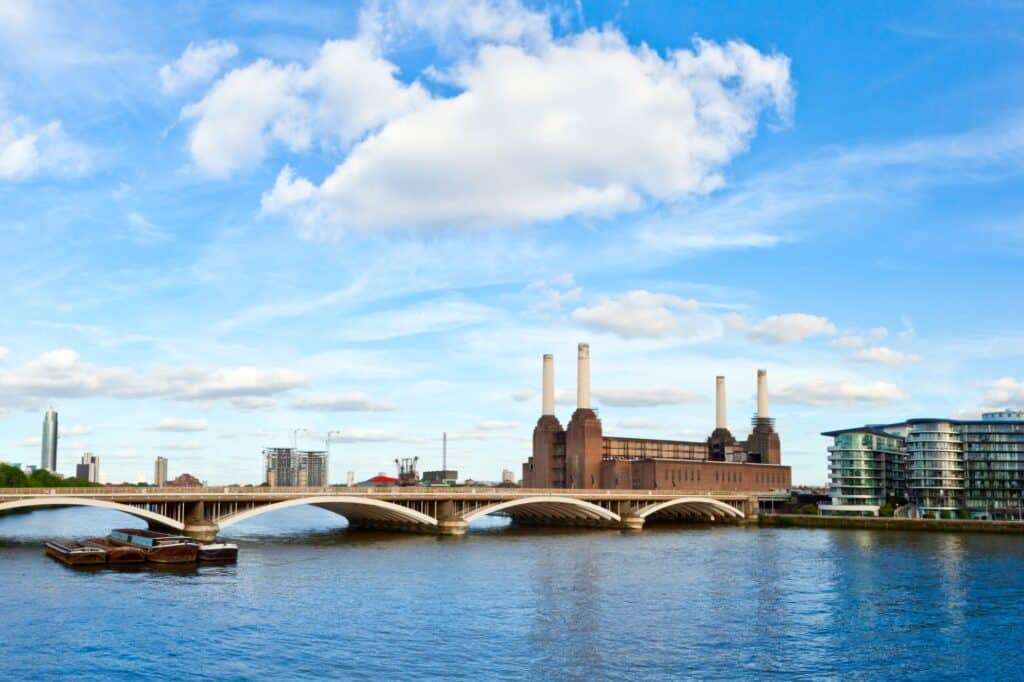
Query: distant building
point(379, 479)
point(507, 476)
point(580, 455)
point(288, 467)
point(350, 480)
point(185, 481)
point(88, 469)
point(440, 477)
point(949, 467)
point(160, 472)
point(48, 458)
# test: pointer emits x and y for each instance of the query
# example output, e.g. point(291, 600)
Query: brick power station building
point(581, 456)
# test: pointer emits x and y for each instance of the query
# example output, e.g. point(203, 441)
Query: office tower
point(48, 459)
point(88, 469)
point(160, 472)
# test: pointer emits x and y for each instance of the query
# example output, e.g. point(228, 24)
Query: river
point(309, 599)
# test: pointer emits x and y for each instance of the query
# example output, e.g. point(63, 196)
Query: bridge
point(202, 512)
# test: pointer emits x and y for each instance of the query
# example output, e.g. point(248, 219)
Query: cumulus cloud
point(667, 127)
point(179, 425)
point(77, 430)
point(198, 64)
point(839, 394)
point(346, 402)
point(635, 314)
point(27, 151)
point(62, 374)
point(787, 328)
point(1005, 390)
point(645, 397)
point(884, 356)
point(346, 91)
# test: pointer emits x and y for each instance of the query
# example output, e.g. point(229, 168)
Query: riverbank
point(875, 523)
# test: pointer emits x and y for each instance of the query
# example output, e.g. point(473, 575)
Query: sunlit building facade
point(943, 467)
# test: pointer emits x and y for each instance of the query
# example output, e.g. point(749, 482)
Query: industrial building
point(581, 456)
point(948, 467)
point(48, 456)
point(88, 469)
point(289, 467)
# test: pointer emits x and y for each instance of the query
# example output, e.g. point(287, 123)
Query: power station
point(582, 457)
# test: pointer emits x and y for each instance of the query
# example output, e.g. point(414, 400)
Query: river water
point(309, 599)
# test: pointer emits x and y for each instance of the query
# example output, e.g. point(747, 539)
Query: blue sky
point(221, 222)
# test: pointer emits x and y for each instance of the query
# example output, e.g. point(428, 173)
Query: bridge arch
point(352, 508)
point(697, 506)
point(57, 501)
point(547, 507)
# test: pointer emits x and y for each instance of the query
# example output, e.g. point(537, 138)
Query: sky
point(224, 222)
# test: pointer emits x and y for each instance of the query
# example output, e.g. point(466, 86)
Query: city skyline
point(208, 275)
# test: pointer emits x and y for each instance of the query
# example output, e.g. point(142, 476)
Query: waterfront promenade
point(202, 512)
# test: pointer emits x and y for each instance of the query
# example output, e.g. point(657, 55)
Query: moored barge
point(161, 548)
point(117, 554)
point(76, 555)
point(219, 551)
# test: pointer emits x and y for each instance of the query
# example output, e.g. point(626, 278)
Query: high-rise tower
point(48, 458)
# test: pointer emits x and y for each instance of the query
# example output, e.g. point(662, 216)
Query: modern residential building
point(160, 472)
point(580, 455)
point(946, 467)
point(508, 476)
point(866, 468)
point(88, 469)
point(48, 457)
point(288, 467)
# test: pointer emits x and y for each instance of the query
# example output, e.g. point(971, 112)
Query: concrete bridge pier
point(197, 526)
point(631, 522)
point(448, 521)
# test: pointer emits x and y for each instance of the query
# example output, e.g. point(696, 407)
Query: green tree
point(810, 509)
point(886, 510)
point(12, 477)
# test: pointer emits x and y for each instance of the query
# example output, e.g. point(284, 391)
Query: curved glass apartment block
point(935, 474)
point(865, 468)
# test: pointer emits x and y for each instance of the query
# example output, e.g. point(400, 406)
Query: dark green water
point(310, 600)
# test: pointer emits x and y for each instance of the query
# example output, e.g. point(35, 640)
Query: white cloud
point(363, 436)
point(787, 328)
point(3, 352)
point(666, 125)
point(549, 296)
point(253, 403)
point(346, 91)
point(198, 64)
point(76, 430)
point(347, 402)
point(645, 397)
point(825, 394)
point(428, 317)
point(874, 335)
point(27, 151)
point(179, 425)
point(142, 231)
point(62, 374)
point(635, 314)
point(31, 442)
point(455, 22)
point(1005, 390)
point(884, 356)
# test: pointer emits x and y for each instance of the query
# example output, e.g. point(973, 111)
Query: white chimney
point(583, 377)
point(548, 407)
point(762, 394)
point(720, 420)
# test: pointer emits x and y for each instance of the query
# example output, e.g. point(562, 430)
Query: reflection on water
point(310, 599)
